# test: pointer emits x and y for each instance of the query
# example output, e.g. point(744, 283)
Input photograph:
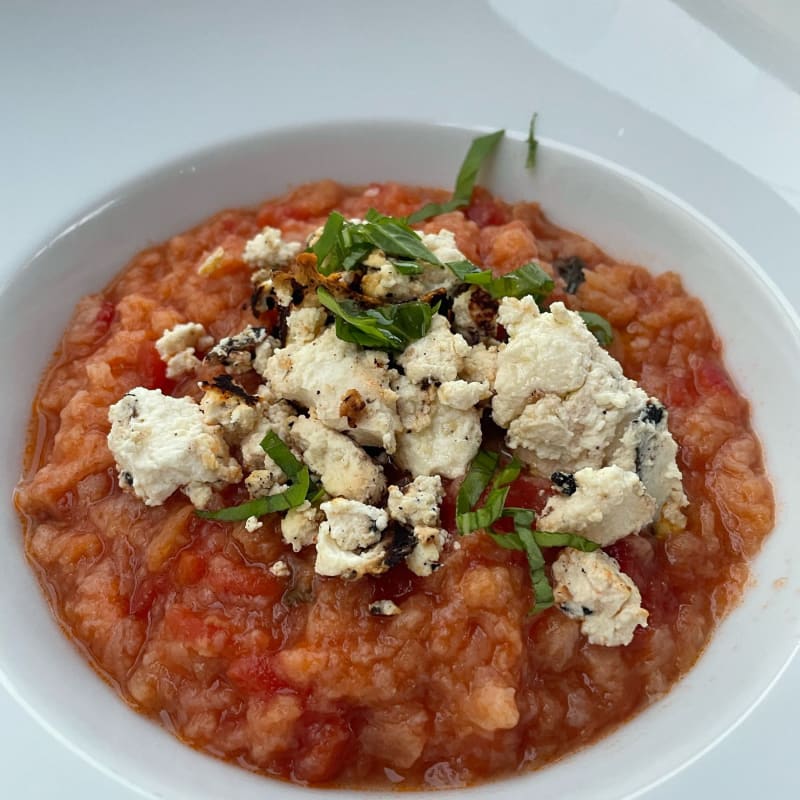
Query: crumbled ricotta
point(445, 446)
point(277, 417)
point(319, 375)
point(177, 347)
point(480, 364)
point(437, 356)
point(414, 403)
point(268, 249)
point(252, 524)
point(343, 467)
point(162, 444)
point(230, 407)
point(647, 447)
point(418, 502)
point(607, 505)
point(349, 542)
point(300, 526)
point(305, 324)
point(235, 353)
point(266, 481)
point(561, 396)
point(463, 395)
point(417, 507)
point(280, 569)
point(591, 587)
point(384, 608)
point(474, 315)
point(383, 281)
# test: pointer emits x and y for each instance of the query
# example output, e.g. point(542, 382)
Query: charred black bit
point(402, 543)
point(570, 270)
point(483, 311)
point(261, 301)
point(283, 325)
point(565, 482)
point(227, 385)
point(587, 612)
point(298, 293)
point(127, 477)
point(653, 412)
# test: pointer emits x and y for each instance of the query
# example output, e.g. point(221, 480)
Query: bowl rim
point(178, 164)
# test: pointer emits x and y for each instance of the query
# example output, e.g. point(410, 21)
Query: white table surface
point(92, 93)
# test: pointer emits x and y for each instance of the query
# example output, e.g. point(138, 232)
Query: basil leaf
point(294, 496)
point(476, 480)
point(529, 279)
point(467, 520)
point(599, 326)
point(562, 539)
point(391, 327)
point(533, 145)
point(407, 267)
point(394, 237)
point(356, 255)
point(469, 273)
point(275, 448)
point(328, 247)
point(481, 147)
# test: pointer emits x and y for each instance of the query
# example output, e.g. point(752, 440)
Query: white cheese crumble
point(268, 249)
point(382, 280)
point(280, 569)
point(343, 467)
point(177, 347)
point(607, 505)
point(231, 408)
point(384, 608)
point(162, 444)
point(445, 446)
point(561, 396)
point(349, 541)
point(305, 324)
point(319, 374)
point(590, 587)
point(648, 448)
point(300, 526)
point(417, 507)
point(252, 524)
point(236, 352)
point(437, 356)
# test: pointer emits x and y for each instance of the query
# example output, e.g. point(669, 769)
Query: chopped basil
point(476, 480)
point(292, 497)
point(480, 148)
point(384, 328)
point(343, 245)
point(599, 326)
point(468, 520)
point(528, 279)
point(562, 539)
point(533, 145)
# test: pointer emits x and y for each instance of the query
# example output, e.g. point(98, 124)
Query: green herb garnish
point(599, 326)
point(480, 473)
point(295, 495)
point(343, 245)
point(383, 328)
point(533, 145)
point(529, 279)
point(479, 150)
point(484, 470)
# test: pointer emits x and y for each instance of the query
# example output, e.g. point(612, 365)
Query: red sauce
point(294, 677)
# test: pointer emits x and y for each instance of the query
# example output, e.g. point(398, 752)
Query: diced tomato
point(104, 317)
point(253, 674)
point(486, 210)
point(326, 740)
point(189, 568)
point(152, 369)
point(145, 593)
point(228, 578)
point(709, 376)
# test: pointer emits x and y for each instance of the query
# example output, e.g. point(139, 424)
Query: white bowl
point(626, 215)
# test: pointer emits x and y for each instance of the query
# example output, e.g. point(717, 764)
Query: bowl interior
point(623, 213)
